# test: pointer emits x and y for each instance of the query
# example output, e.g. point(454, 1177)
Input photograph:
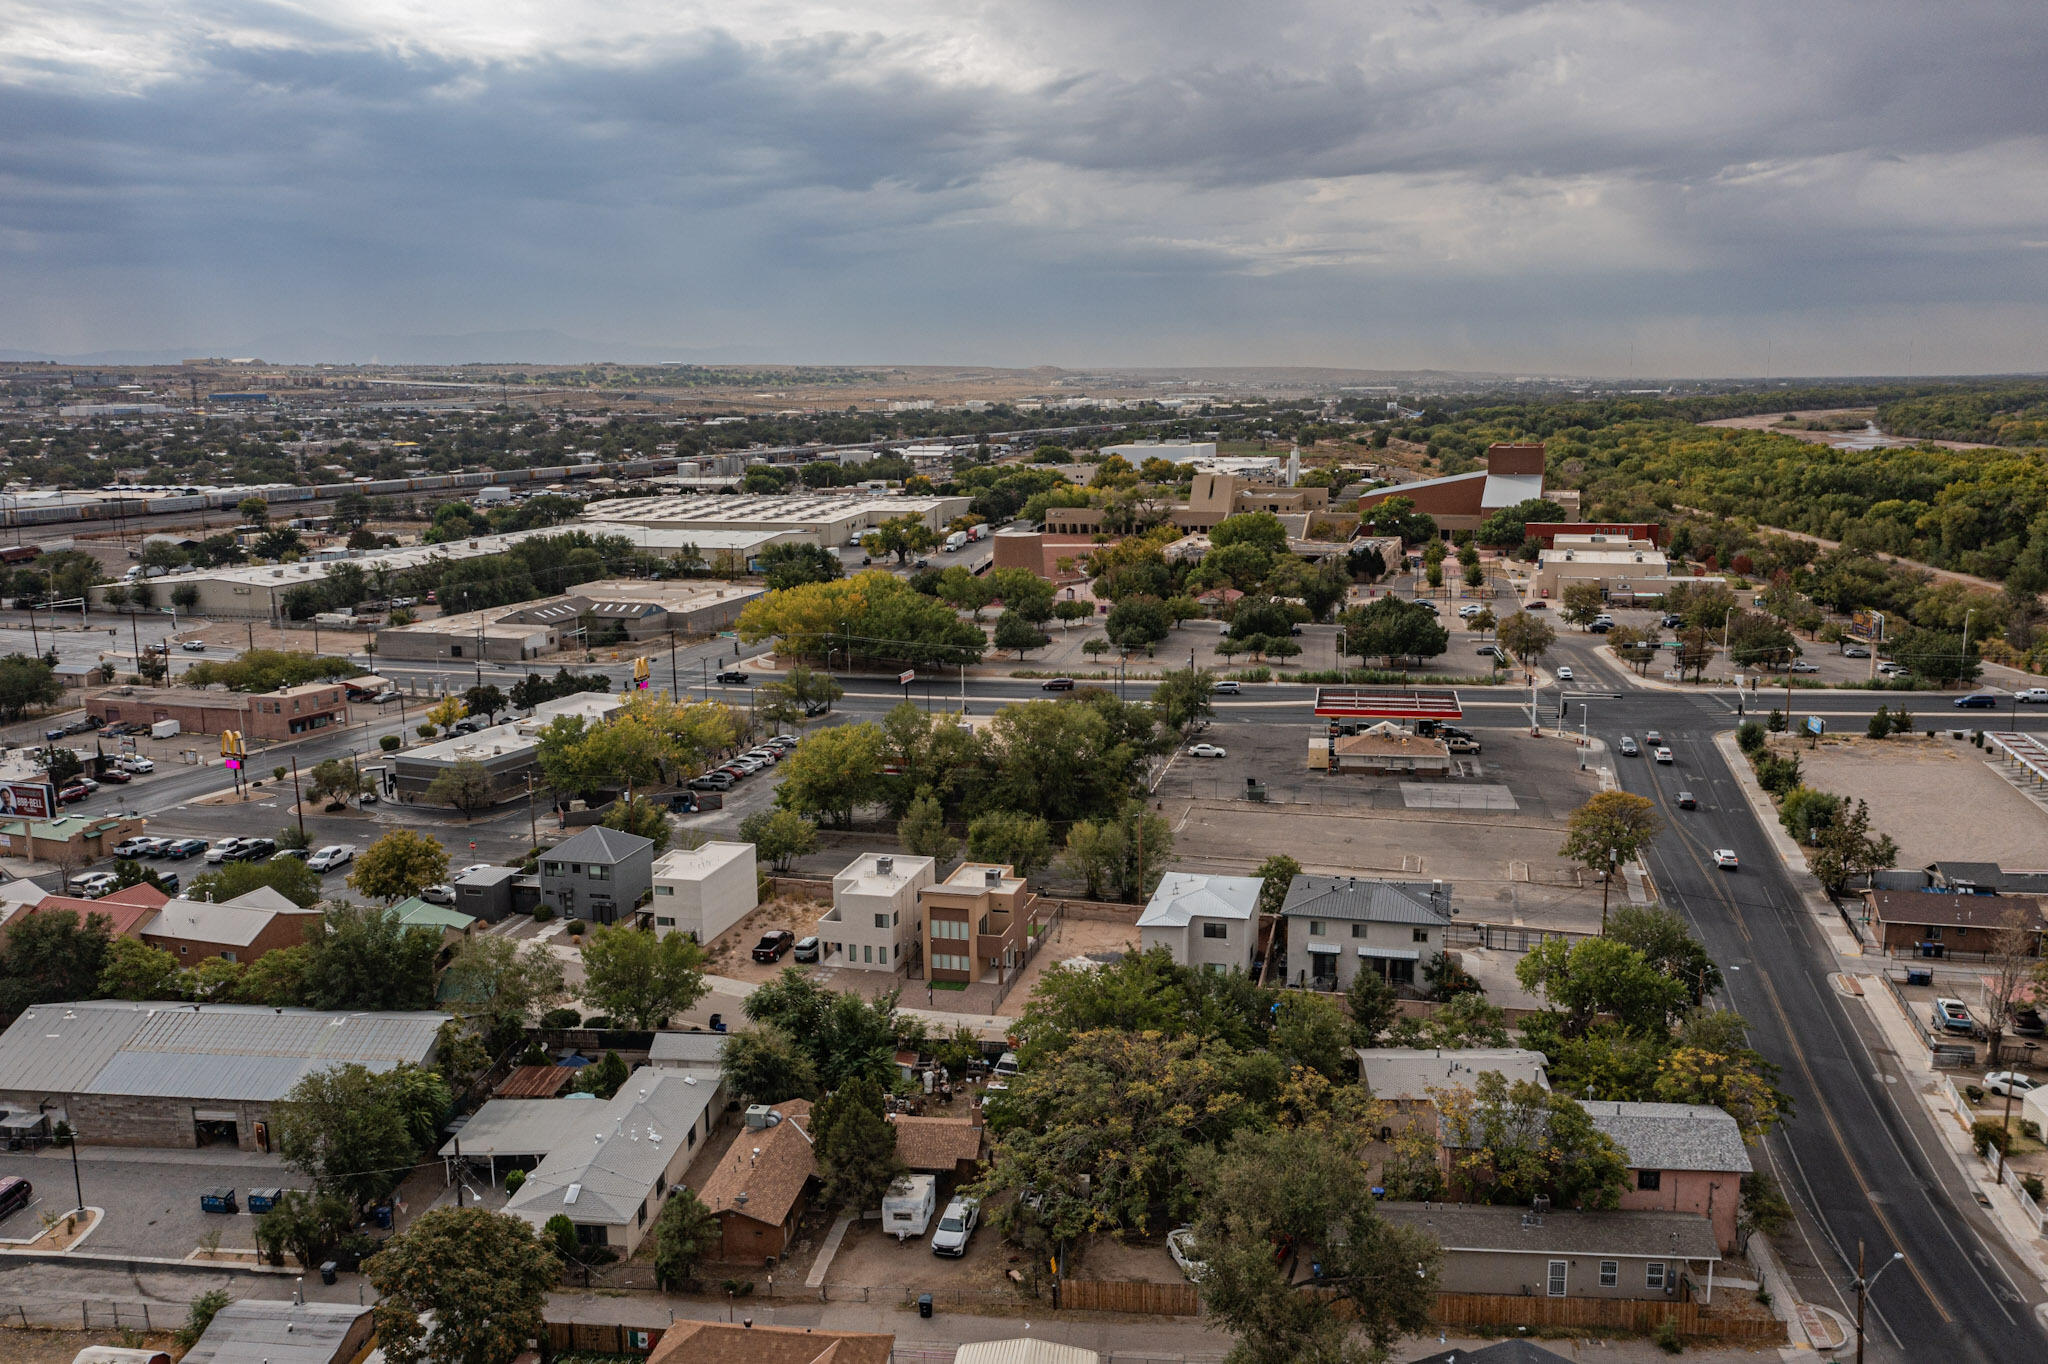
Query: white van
point(907, 1207)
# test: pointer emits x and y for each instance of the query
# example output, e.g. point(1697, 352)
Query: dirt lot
point(1110, 1260)
point(1937, 797)
point(730, 951)
point(60, 1347)
point(869, 1258)
point(1072, 938)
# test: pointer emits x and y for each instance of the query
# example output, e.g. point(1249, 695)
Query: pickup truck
point(1952, 1015)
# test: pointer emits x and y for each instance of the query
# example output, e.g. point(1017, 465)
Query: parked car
point(733, 677)
point(1492, 651)
point(1600, 627)
point(167, 881)
point(1057, 684)
point(1180, 1244)
point(1206, 751)
point(2026, 1022)
point(1628, 747)
point(135, 847)
point(1565, 675)
point(1462, 743)
point(332, 856)
point(1977, 700)
point(1952, 1015)
point(807, 948)
point(223, 851)
point(774, 944)
point(1538, 605)
point(1663, 755)
point(1470, 609)
point(1726, 859)
point(93, 885)
point(180, 849)
point(72, 794)
point(1804, 668)
point(712, 781)
point(1230, 686)
point(1688, 801)
point(1856, 651)
point(440, 894)
point(252, 850)
point(193, 646)
point(289, 855)
point(116, 775)
point(1671, 622)
point(2007, 1082)
point(956, 1227)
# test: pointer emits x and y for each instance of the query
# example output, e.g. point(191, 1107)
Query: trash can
point(924, 1304)
point(1919, 975)
point(327, 1268)
point(381, 1215)
point(263, 1200)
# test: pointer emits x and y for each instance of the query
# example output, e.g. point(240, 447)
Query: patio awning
point(1391, 953)
point(1326, 949)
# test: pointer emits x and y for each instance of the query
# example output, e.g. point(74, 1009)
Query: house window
point(1653, 1276)
point(1216, 931)
point(1315, 928)
point(1421, 935)
point(664, 890)
point(1557, 1271)
point(950, 928)
point(943, 962)
point(1610, 1273)
point(182, 949)
point(551, 868)
point(660, 922)
point(881, 921)
point(643, 1214)
point(1360, 930)
point(1649, 1179)
point(660, 1184)
point(1934, 932)
point(227, 956)
point(598, 873)
point(867, 953)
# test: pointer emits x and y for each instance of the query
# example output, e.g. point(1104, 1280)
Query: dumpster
point(1919, 975)
point(219, 1200)
point(263, 1200)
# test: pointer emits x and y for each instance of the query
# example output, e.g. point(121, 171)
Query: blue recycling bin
point(219, 1200)
point(381, 1215)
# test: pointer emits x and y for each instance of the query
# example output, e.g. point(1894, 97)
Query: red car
point(71, 795)
point(774, 943)
point(116, 776)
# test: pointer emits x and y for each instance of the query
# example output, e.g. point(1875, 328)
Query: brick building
point(263, 716)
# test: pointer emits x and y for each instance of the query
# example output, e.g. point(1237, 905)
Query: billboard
point(1867, 626)
point(27, 800)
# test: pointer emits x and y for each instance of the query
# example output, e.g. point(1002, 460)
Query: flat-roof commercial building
point(829, 519)
point(171, 1074)
point(508, 753)
point(637, 609)
point(1618, 565)
point(267, 716)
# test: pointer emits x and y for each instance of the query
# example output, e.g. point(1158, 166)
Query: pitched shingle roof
point(1932, 907)
point(1482, 1228)
point(935, 1143)
point(772, 1181)
point(1183, 896)
point(599, 844)
point(1671, 1136)
point(716, 1342)
point(1351, 897)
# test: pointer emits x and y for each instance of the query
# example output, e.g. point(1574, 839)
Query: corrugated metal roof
point(215, 1051)
point(1022, 1350)
point(258, 1332)
point(613, 1158)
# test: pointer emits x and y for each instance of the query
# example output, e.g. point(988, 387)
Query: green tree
point(846, 1036)
point(308, 1225)
point(483, 1277)
point(763, 1064)
point(779, 836)
point(1669, 946)
point(1373, 1007)
point(335, 780)
point(486, 702)
point(1511, 1143)
point(1600, 975)
point(642, 816)
point(1611, 829)
point(1137, 623)
point(1251, 528)
point(801, 691)
point(1184, 697)
point(923, 830)
point(1124, 854)
point(52, 956)
point(502, 983)
point(831, 773)
point(1310, 1030)
point(685, 1233)
point(135, 970)
point(1526, 637)
point(1015, 632)
point(362, 957)
point(399, 864)
point(1846, 849)
point(348, 1128)
point(792, 565)
point(855, 1144)
point(1580, 602)
point(26, 684)
point(1391, 628)
point(1304, 1189)
point(639, 979)
point(204, 1309)
point(1011, 838)
point(290, 878)
point(1277, 874)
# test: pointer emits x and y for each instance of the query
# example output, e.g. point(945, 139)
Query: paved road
point(1864, 1164)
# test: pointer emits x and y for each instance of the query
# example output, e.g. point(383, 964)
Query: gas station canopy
point(1387, 703)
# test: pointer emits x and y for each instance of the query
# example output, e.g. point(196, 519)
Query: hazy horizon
point(1497, 187)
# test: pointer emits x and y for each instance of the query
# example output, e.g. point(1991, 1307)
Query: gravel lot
point(1937, 797)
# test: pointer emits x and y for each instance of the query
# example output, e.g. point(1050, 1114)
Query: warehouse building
point(829, 519)
point(509, 754)
point(170, 1074)
point(596, 613)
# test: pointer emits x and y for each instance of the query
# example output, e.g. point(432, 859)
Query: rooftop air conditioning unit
point(758, 1115)
point(993, 876)
point(884, 865)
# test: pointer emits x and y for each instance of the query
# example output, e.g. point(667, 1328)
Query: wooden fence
point(1500, 1310)
point(602, 1338)
point(1117, 1295)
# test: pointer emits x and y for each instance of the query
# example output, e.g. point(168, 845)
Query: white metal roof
point(1183, 896)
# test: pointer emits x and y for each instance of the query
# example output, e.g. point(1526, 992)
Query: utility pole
point(1863, 1287)
point(675, 688)
point(532, 829)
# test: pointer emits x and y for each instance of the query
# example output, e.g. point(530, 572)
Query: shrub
point(598, 1021)
point(1750, 737)
point(390, 743)
point(543, 914)
point(1988, 1135)
point(575, 927)
point(1667, 1338)
point(513, 1179)
point(557, 1019)
point(2030, 1129)
point(1974, 1093)
point(2032, 1184)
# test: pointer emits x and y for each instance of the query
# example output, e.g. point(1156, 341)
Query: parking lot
point(1939, 798)
point(150, 1197)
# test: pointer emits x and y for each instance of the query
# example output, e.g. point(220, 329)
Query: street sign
point(1816, 725)
point(908, 676)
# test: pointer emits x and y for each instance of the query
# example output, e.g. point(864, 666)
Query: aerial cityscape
point(846, 684)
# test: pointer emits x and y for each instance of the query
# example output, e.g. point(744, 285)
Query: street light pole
point(77, 1186)
point(1863, 1287)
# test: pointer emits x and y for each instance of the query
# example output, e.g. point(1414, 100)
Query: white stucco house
point(704, 891)
point(873, 923)
point(1208, 922)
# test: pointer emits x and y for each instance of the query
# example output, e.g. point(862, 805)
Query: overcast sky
point(1674, 187)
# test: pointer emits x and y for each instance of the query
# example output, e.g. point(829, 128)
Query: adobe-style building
point(874, 922)
point(1513, 473)
point(975, 923)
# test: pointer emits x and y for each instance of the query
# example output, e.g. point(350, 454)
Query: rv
point(907, 1208)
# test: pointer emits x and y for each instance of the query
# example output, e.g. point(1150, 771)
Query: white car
point(1206, 751)
point(332, 856)
point(2007, 1082)
point(956, 1227)
point(93, 885)
point(2030, 695)
point(1663, 755)
point(1180, 1244)
point(135, 765)
point(1470, 609)
point(474, 866)
point(1726, 859)
point(138, 846)
point(220, 851)
point(1564, 674)
point(442, 894)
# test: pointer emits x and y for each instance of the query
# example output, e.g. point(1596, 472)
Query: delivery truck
point(957, 540)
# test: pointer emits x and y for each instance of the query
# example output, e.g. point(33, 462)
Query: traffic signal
point(640, 674)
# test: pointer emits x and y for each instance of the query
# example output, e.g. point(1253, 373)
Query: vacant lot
point(1938, 797)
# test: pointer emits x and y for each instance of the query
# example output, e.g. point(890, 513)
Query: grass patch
point(945, 985)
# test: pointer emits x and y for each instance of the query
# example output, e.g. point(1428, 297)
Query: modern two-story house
point(1337, 926)
point(975, 923)
point(1208, 922)
point(600, 875)
point(874, 923)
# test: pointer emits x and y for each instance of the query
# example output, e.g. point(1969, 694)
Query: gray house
point(601, 875)
point(1339, 925)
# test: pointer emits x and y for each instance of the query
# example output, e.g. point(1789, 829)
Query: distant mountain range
point(535, 347)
